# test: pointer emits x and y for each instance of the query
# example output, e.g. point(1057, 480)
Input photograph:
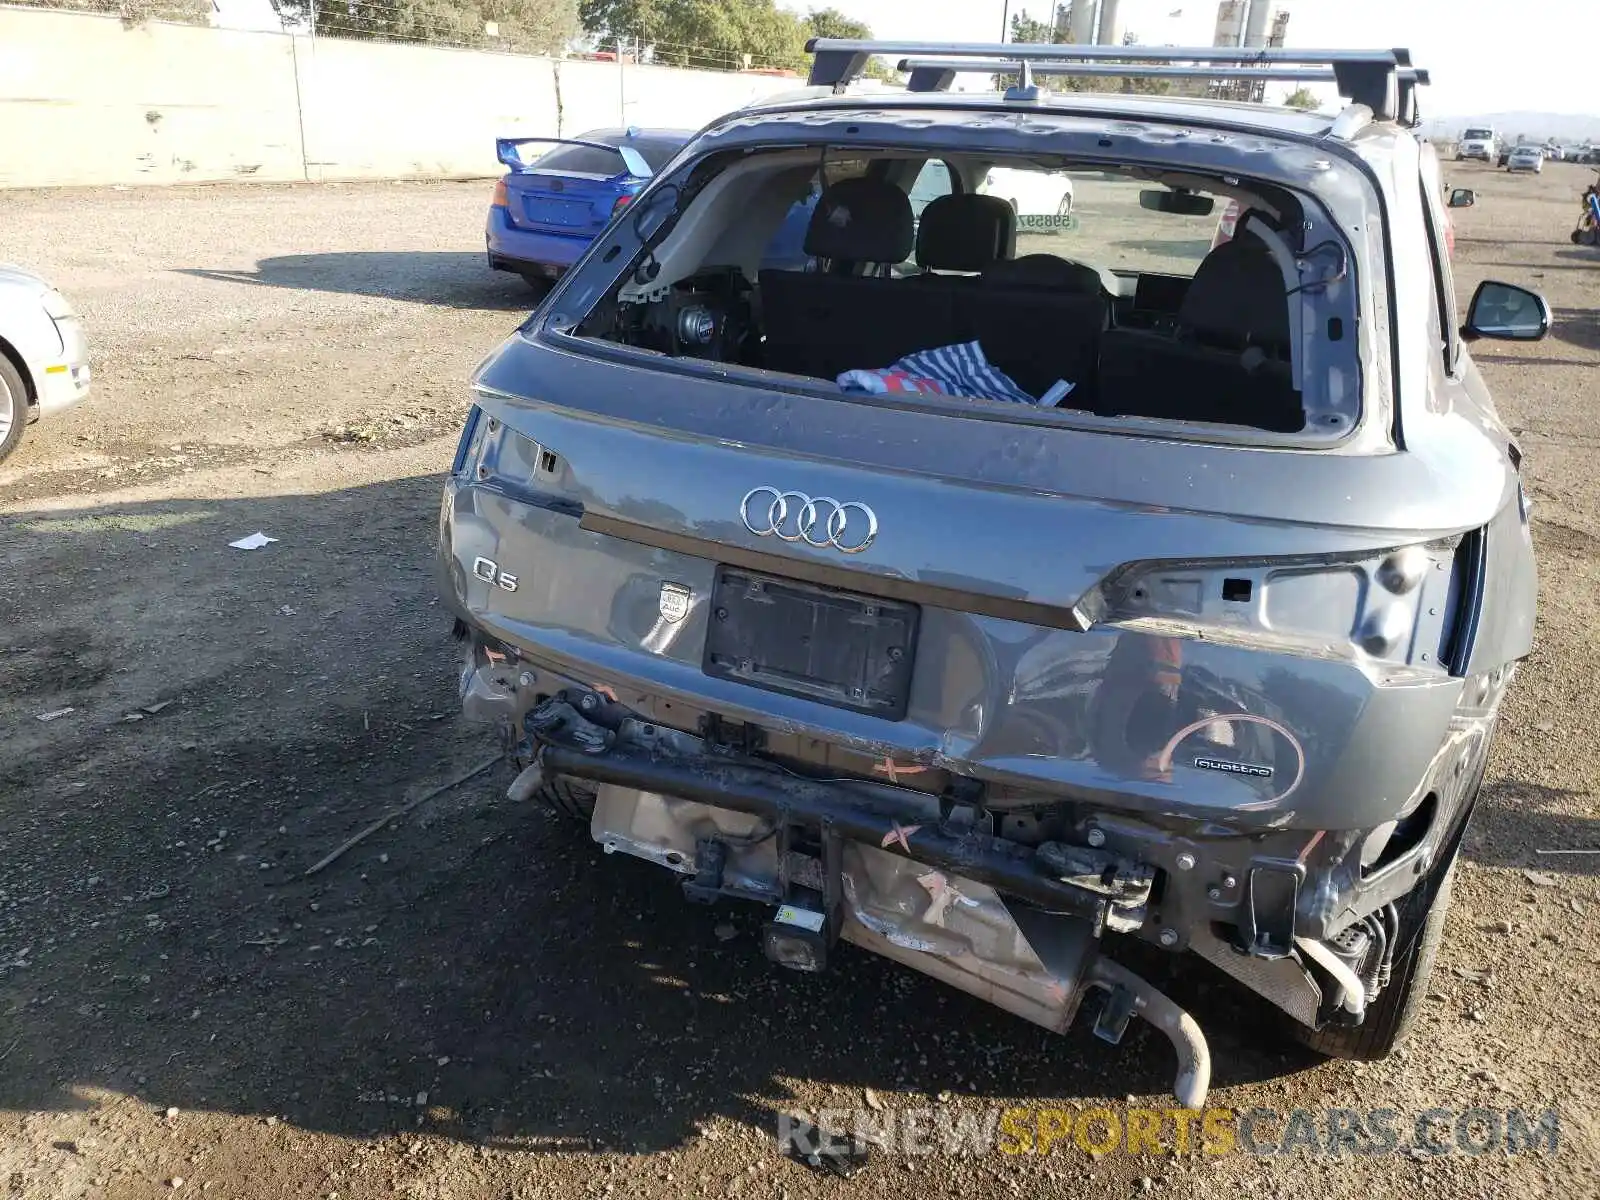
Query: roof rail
point(1370, 77)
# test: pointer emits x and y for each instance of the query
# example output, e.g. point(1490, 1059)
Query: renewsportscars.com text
point(1261, 1132)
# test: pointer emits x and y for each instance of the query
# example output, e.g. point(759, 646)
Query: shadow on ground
point(159, 937)
point(1539, 268)
point(1530, 360)
point(453, 279)
point(1579, 326)
point(1515, 820)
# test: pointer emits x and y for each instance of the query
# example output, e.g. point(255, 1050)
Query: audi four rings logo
point(821, 521)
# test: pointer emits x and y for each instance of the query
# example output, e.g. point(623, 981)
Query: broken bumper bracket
point(853, 816)
point(845, 814)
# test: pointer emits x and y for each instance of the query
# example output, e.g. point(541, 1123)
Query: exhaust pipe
point(1182, 1030)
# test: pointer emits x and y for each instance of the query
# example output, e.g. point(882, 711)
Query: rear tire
point(13, 406)
point(1391, 1017)
point(540, 284)
point(567, 798)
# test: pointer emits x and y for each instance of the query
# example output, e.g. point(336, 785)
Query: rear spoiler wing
point(507, 151)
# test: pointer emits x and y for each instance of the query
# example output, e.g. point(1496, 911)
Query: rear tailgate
point(545, 195)
point(998, 555)
point(564, 201)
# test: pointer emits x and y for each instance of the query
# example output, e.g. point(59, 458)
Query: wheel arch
point(16, 360)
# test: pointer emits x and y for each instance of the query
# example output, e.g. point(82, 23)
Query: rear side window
point(934, 180)
point(658, 152)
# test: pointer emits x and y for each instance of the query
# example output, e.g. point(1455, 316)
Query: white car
point(1526, 158)
point(44, 355)
point(1040, 198)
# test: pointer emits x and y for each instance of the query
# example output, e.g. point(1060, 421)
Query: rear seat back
point(1040, 319)
point(1228, 362)
point(825, 322)
point(1037, 324)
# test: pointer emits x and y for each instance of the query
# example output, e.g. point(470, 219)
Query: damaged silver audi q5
point(1039, 563)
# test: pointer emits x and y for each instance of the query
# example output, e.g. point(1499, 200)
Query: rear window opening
point(1067, 287)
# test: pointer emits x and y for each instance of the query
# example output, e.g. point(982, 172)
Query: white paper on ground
point(254, 542)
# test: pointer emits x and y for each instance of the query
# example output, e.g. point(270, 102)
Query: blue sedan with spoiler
point(551, 205)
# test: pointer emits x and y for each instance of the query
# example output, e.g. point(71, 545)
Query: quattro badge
point(1233, 768)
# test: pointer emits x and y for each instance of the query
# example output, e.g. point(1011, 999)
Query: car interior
point(889, 270)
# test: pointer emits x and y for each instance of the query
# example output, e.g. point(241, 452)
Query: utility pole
point(1005, 19)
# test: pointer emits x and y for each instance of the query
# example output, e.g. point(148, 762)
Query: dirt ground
point(473, 1003)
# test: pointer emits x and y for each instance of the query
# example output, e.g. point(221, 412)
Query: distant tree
point(831, 23)
point(188, 12)
point(609, 19)
point(716, 34)
point(1025, 29)
point(1303, 98)
point(530, 26)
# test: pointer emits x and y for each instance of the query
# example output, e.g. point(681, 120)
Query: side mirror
point(1462, 198)
point(1507, 313)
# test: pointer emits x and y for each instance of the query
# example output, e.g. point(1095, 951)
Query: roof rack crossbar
point(1369, 77)
point(1406, 108)
point(937, 75)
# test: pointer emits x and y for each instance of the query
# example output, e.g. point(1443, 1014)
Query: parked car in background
point(1033, 195)
point(1480, 143)
point(44, 355)
point(1526, 158)
point(549, 206)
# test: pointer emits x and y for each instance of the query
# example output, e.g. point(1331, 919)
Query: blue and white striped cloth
point(959, 370)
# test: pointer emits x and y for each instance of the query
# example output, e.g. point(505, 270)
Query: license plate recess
point(835, 647)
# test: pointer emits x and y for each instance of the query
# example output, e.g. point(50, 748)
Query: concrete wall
point(87, 100)
point(84, 100)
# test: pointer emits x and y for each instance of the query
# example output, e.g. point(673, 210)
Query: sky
point(1512, 55)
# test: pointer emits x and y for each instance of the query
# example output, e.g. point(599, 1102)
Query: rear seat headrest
point(1238, 296)
point(861, 220)
point(965, 233)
